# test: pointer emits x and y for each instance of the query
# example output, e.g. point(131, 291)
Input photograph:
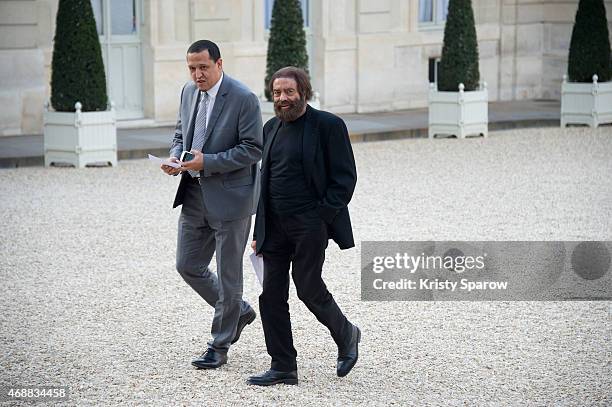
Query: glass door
point(118, 24)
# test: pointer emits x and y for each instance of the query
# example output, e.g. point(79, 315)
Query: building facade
point(364, 55)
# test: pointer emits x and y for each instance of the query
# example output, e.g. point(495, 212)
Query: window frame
point(437, 22)
point(436, 66)
point(269, 4)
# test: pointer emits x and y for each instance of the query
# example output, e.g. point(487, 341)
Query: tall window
point(433, 11)
point(122, 16)
point(434, 65)
point(268, 12)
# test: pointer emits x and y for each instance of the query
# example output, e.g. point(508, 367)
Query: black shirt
point(287, 184)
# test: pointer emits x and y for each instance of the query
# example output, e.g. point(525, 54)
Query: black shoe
point(348, 357)
point(272, 377)
point(245, 319)
point(210, 359)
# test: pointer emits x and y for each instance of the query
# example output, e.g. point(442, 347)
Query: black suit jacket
point(329, 168)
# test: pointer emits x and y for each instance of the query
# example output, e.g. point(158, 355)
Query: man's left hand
point(197, 164)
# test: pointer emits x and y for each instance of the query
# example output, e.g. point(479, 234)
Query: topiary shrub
point(589, 52)
point(77, 69)
point(287, 43)
point(459, 61)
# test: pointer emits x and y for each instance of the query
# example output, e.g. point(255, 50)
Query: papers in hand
point(165, 162)
point(258, 266)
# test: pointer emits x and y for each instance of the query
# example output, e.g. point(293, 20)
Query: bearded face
point(288, 103)
point(289, 110)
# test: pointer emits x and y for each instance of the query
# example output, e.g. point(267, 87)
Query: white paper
point(162, 161)
point(258, 266)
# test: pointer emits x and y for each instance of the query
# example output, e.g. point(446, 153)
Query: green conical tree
point(589, 52)
point(459, 61)
point(77, 69)
point(287, 43)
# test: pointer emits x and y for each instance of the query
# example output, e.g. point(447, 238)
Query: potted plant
point(586, 98)
point(80, 129)
point(286, 46)
point(459, 104)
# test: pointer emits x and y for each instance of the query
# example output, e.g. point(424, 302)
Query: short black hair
point(205, 45)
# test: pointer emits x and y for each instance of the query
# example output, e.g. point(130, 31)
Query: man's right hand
point(254, 245)
point(170, 170)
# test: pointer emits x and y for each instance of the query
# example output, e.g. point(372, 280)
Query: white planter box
point(80, 138)
point(586, 103)
point(458, 113)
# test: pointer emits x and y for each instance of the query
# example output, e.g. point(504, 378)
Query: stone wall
point(366, 55)
point(25, 57)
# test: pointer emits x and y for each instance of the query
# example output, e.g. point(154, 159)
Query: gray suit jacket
point(232, 148)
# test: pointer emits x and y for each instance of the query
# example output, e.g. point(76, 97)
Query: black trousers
point(298, 240)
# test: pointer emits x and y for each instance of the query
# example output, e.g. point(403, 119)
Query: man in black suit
point(308, 176)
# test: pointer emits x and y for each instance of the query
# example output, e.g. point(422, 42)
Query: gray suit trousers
point(198, 238)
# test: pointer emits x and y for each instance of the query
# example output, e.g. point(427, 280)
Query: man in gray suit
point(219, 121)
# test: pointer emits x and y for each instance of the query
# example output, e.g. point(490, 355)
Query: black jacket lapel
point(310, 142)
point(266, 151)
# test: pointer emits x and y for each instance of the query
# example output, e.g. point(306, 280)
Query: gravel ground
point(90, 298)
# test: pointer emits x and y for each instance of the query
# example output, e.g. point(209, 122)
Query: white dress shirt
point(212, 96)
